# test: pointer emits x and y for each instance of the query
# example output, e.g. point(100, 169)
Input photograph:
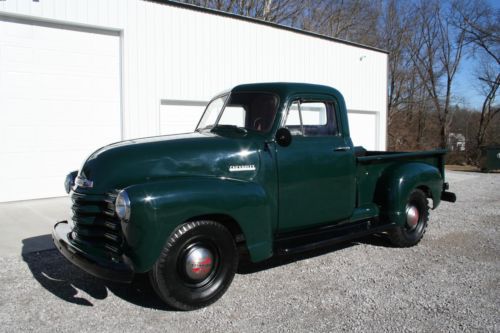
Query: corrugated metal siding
point(176, 53)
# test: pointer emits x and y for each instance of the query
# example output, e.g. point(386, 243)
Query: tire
point(414, 229)
point(196, 266)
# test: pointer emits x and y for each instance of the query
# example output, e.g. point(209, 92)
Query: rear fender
point(396, 183)
point(158, 208)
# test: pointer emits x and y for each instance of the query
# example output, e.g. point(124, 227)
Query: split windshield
point(253, 111)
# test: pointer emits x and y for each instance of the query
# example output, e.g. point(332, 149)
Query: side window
point(312, 118)
point(313, 114)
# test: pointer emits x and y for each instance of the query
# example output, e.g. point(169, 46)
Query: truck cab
point(269, 170)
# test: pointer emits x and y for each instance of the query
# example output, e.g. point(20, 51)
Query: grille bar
point(96, 222)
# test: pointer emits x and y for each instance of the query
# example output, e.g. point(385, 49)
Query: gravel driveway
point(449, 282)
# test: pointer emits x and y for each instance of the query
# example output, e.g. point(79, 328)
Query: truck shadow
point(71, 284)
point(247, 267)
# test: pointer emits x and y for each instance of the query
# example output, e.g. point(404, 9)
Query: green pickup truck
point(270, 170)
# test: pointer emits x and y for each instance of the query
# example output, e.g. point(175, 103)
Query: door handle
point(346, 148)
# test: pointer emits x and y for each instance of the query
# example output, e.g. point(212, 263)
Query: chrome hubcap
point(199, 263)
point(412, 217)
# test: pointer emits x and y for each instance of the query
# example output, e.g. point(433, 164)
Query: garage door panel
point(362, 126)
point(45, 36)
point(28, 112)
point(33, 138)
point(26, 59)
point(41, 164)
point(59, 102)
point(76, 41)
point(77, 63)
point(69, 86)
point(13, 54)
point(23, 189)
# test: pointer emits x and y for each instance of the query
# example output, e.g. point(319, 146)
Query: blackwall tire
point(417, 217)
point(196, 266)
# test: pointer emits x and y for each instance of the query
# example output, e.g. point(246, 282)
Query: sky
point(466, 84)
point(466, 92)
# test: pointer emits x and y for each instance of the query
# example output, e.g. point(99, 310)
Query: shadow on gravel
point(248, 267)
point(72, 285)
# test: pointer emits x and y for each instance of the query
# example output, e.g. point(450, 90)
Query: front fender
point(396, 183)
point(158, 208)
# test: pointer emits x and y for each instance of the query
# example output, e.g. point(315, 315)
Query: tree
point(354, 20)
point(481, 26)
point(277, 11)
point(437, 50)
point(404, 87)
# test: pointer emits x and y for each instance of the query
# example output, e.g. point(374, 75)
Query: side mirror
point(283, 137)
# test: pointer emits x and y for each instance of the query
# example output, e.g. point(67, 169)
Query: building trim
point(182, 102)
point(58, 24)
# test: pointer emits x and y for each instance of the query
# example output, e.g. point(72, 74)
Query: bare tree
point(277, 11)
point(354, 20)
point(395, 33)
point(490, 79)
point(481, 26)
point(437, 52)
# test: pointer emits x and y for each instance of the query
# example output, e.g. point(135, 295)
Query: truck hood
point(152, 159)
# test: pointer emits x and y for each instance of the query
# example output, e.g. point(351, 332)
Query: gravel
point(449, 282)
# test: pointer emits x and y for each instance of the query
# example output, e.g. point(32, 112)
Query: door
point(317, 170)
point(59, 102)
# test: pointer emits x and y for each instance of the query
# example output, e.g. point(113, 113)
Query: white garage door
point(59, 101)
point(177, 116)
point(363, 128)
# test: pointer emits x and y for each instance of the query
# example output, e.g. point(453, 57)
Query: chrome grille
point(96, 223)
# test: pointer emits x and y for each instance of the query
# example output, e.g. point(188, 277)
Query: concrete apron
point(26, 226)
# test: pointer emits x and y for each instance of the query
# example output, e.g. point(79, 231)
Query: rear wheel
point(196, 266)
point(417, 216)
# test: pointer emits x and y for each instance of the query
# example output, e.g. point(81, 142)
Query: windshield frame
point(228, 97)
point(225, 94)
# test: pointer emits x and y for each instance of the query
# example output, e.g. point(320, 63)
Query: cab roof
point(285, 89)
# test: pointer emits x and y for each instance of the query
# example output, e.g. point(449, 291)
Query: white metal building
point(79, 74)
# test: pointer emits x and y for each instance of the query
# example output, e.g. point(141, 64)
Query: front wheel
point(417, 215)
point(196, 266)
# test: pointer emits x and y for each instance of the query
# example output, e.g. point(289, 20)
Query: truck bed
point(371, 165)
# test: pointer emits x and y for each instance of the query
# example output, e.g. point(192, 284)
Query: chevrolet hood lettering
point(237, 168)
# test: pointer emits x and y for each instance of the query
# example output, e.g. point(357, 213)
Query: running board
point(310, 240)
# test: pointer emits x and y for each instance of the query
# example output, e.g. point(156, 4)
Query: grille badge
point(84, 182)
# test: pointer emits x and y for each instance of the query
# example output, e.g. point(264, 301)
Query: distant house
point(456, 142)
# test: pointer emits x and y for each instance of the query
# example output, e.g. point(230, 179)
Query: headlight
point(122, 206)
point(69, 182)
point(71, 224)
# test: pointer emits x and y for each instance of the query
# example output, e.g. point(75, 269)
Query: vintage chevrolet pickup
point(269, 170)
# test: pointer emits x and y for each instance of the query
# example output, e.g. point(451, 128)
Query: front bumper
point(99, 267)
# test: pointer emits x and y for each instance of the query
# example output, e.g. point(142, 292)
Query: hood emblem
point(84, 182)
point(238, 168)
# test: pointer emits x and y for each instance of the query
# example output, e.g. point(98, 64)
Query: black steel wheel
point(196, 266)
point(417, 216)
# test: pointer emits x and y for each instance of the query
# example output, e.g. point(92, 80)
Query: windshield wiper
point(229, 127)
